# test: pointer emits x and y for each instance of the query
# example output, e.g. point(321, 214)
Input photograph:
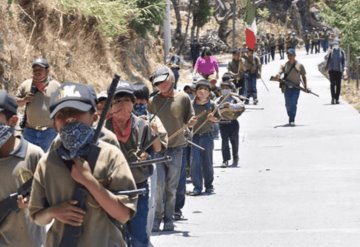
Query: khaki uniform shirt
point(174, 114)
point(295, 74)
point(37, 111)
point(237, 67)
point(138, 128)
point(53, 185)
point(208, 127)
point(18, 229)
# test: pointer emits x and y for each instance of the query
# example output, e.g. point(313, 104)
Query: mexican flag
point(250, 22)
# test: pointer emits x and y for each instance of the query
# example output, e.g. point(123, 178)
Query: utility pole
point(234, 21)
point(167, 31)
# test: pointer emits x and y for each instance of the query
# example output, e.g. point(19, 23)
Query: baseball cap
point(102, 96)
point(7, 102)
point(124, 87)
point(227, 77)
point(73, 95)
point(161, 74)
point(291, 51)
point(202, 82)
point(42, 62)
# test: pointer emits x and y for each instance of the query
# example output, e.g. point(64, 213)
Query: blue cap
point(291, 51)
point(73, 95)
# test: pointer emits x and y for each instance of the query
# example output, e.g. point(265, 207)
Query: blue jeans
point(40, 138)
point(167, 183)
point(291, 98)
point(181, 189)
point(137, 225)
point(251, 85)
point(202, 162)
point(230, 132)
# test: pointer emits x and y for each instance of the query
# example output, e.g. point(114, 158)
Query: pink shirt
point(206, 66)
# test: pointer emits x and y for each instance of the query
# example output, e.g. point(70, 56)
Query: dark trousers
point(291, 99)
point(272, 51)
point(335, 84)
point(181, 189)
point(281, 51)
point(230, 132)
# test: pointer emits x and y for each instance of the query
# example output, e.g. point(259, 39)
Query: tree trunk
point(187, 27)
point(175, 4)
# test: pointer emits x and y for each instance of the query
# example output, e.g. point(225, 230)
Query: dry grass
point(351, 94)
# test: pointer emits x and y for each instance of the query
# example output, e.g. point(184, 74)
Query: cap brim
point(39, 64)
point(81, 106)
point(124, 91)
point(160, 78)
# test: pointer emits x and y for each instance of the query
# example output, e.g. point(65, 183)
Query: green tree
point(345, 15)
point(150, 14)
point(201, 15)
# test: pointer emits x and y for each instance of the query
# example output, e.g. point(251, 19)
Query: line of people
point(172, 126)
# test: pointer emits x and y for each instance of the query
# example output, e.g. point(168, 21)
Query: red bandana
point(124, 135)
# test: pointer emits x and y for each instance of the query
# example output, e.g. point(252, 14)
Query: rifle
point(287, 83)
point(142, 163)
point(9, 204)
point(213, 112)
point(176, 133)
point(72, 234)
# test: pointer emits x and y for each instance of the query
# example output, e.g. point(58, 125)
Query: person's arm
point(81, 173)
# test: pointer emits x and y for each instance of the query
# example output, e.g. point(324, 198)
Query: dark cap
point(141, 91)
point(202, 82)
point(227, 83)
point(7, 102)
point(124, 87)
point(161, 74)
point(42, 62)
point(227, 77)
point(73, 95)
point(236, 51)
point(291, 51)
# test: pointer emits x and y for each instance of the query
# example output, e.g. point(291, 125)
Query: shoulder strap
point(291, 68)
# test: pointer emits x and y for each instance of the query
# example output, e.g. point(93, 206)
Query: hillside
point(76, 50)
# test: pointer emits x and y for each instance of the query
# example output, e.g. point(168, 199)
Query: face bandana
point(75, 138)
point(140, 109)
point(5, 133)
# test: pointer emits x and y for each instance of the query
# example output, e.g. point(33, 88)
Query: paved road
point(297, 186)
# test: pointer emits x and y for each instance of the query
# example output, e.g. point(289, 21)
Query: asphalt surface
point(296, 186)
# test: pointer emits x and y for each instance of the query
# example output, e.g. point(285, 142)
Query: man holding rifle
point(18, 159)
point(294, 74)
point(175, 111)
point(72, 109)
point(134, 134)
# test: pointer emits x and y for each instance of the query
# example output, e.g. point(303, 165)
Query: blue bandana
point(139, 109)
point(75, 138)
point(5, 133)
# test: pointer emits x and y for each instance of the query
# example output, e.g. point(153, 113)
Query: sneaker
point(333, 101)
point(292, 124)
point(225, 164)
point(178, 216)
point(256, 101)
point(168, 226)
point(209, 190)
point(235, 163)
point(195, 193)
point(156, 225)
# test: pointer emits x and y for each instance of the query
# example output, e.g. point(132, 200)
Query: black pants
point(230, 132)
point(335, 84)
